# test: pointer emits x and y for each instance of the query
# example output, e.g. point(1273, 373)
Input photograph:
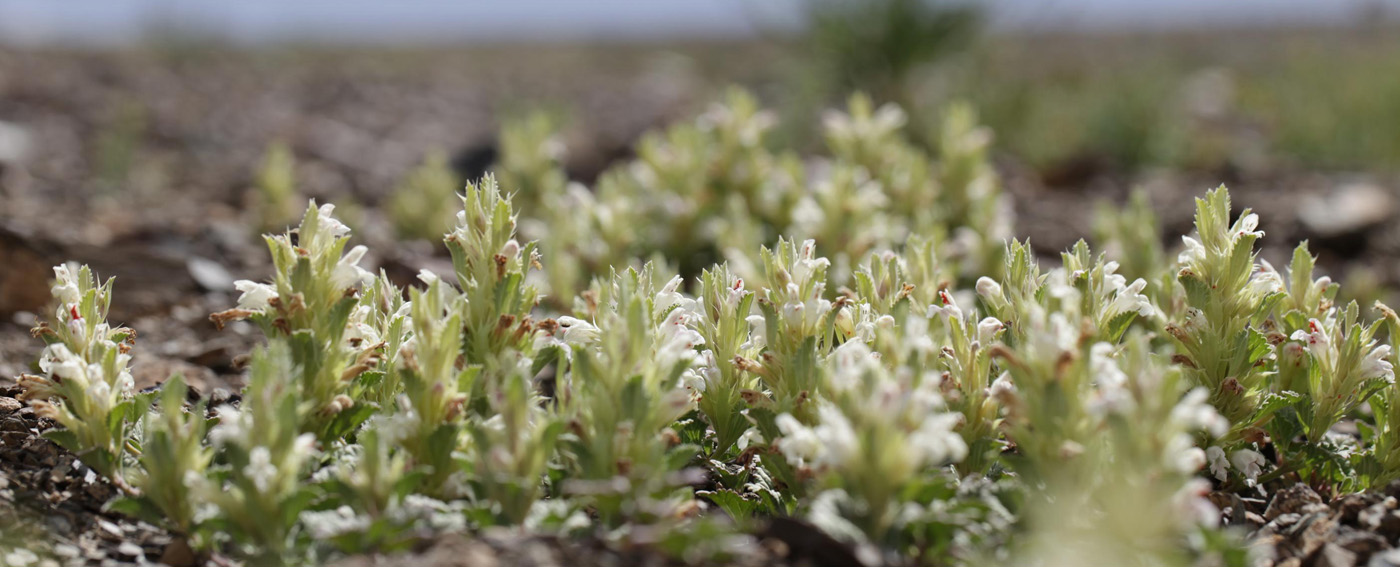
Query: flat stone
point(130, 550)
point(1348, 209)
point(10, 405)
point(1330, 555)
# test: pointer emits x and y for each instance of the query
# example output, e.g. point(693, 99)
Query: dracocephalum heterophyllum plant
point(878, 434)
point(1141, 500)
point(174, 460)
point(491, 267)
point(86, 384)
point(927, 406)
point(309, 305)
point(1048, 353)
point(796, 328)
point(725, 306)
point(623, 390)
point(1228, 296)
point(257, 484)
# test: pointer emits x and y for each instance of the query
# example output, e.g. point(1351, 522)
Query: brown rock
point(1363, 544)
point(10, 405)
point(1296, 499)
point(1330, 555)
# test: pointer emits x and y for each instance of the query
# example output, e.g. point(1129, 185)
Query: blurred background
point(137, 135)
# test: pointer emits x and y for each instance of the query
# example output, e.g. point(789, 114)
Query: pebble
point(131, 550)
point(1348, 209)
point(10, 405)
point(209, 274)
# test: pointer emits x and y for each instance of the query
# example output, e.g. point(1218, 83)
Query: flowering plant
point(950, 399)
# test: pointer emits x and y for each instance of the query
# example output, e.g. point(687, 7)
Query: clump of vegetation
point(865, 350)
point(421, 205)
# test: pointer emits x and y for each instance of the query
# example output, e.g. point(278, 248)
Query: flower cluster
point(86, 385)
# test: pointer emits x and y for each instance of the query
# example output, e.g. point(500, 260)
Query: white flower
point(1247, 226)
point(256, 296)
point(1110, 396)
point(935, 442)
point(1130, 299)
point(677, 341)
point(65, 289)
point(669, 296)
point(1192, 506)
point(578, 331)
point(329, 225)
point(332, 523)
point(1377, 364)
point(988, 329)
point(230, 427)
point(510, 249)
point(428, 277)
point(807, 264)
point(1195, 320)
point(260, 469)
point(799, 443)
point(849, 364)
point(989, 289)
point(1248, 462)
point(1219, 465)
point(1318, 340)
point(347, 273)
point(949, 308)
point(1194, 414)
point(758, 333)
point(1194, 252)
point(837, 438)
point(58, 361)
point(751, 436)
point(1265, 280)
point(1183, 455)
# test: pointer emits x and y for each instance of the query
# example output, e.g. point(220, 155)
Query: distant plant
point(275, 194)
point(878, 45)
point(421, 206)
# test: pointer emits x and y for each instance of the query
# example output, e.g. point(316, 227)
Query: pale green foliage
point(313, 305)
point(275, 197)
point(421, 205)
point(173, 460)
point(907, 379)
point(1226, 292)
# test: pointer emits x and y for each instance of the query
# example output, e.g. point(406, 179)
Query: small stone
point(1385, 559)
point(1292, 500)
point(110, 529)
point(1348, 507)
point(1348, 209)
point(209, 274)
point(14, 142)
point(1363, 544)
point(1382, 519)
point(1330, 555)
point(131, 550)
point(10, 405)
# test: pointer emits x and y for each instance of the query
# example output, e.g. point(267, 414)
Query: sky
point(102, 22)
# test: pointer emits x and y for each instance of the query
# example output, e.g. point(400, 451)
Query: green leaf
point(64, 438)
point(736, 505)
point(140, 508)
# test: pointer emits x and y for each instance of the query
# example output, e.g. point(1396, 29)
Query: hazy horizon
point(78, 22)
